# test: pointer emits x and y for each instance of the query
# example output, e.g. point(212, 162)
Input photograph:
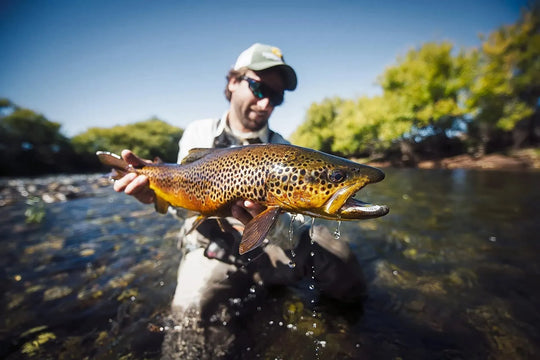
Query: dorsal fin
point(196, 154)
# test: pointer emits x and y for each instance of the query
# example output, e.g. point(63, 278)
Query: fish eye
point(337, 176)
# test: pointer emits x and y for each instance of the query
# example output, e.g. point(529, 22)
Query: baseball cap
point(261, 57)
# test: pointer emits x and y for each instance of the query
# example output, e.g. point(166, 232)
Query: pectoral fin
point(257, 229)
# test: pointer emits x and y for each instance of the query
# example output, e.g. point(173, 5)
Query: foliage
point(317, 130)
point(30, 143)
point(148, 139)
point(507, 87)
point(33, 145)
point(438, 100)
point(359, 126)
point(427, 83)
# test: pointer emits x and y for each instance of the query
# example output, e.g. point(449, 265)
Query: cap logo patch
point(275, 55)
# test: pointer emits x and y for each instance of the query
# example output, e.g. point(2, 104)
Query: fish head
point(323, 185)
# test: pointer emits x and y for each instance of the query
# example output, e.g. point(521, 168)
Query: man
point(211, 272)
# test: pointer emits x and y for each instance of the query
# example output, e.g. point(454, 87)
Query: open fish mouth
point(356, 209)
point(342, 205)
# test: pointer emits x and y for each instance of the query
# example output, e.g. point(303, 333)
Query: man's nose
point(264, 103)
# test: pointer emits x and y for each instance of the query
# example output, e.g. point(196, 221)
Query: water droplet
point(312, 253)
point(252, 289)
point(337, 233)
point(311, 287)
point(493, 238)
point(291, 234)
point(292, 264)
point(271, 322)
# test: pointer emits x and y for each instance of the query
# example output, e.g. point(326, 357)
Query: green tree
point(505, 96)
point(30, 143)
point(317, 131)
point(358, 127)
point(428, 82)
point(148, 139)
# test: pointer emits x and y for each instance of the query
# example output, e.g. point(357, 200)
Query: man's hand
point(245, 210)
point(133, 184)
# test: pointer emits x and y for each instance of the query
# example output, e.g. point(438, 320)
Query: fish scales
point(281, 177)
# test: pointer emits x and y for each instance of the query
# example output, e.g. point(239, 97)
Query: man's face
point(253, 113)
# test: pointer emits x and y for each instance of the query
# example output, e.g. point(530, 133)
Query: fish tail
point(119, 165)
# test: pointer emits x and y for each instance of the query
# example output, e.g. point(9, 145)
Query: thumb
point(133, 159)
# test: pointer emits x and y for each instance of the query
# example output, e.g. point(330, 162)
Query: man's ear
point(233, 84)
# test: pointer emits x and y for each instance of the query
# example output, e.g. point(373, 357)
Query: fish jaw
point(343, 206)
point(355, 209)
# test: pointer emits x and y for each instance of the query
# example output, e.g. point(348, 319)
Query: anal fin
point(256, 230)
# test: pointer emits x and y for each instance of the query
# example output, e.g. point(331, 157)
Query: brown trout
point(281, 177)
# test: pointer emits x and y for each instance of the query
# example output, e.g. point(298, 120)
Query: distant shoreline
point(522, 159)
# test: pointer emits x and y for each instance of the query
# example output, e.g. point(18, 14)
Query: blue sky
point(104, 63)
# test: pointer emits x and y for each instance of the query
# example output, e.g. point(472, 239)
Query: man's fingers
point(133, 159)
point(241, 214)
point(137, 185)
point(253, 208)
point(121, 184)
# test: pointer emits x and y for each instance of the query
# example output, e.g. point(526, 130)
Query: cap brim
point(289, 75)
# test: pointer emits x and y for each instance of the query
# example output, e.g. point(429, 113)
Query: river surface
point(452, 273)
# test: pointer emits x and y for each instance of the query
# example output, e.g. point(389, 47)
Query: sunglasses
point(261, 91)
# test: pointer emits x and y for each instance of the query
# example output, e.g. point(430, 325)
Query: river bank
point(521, 159)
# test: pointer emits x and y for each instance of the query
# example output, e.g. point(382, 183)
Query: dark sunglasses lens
point(261, 91)
point(255, 88)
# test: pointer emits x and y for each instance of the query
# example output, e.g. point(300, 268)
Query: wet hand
point(245, 210)
point(132, 184)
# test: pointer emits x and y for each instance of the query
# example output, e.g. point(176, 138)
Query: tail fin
point(120, 167)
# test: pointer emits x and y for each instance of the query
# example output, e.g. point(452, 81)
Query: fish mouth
point(343, 206)
point(356, 209)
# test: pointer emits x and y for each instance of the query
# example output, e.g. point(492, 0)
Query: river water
point(452, 273)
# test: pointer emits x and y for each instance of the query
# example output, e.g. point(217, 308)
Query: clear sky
point(104, 63)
